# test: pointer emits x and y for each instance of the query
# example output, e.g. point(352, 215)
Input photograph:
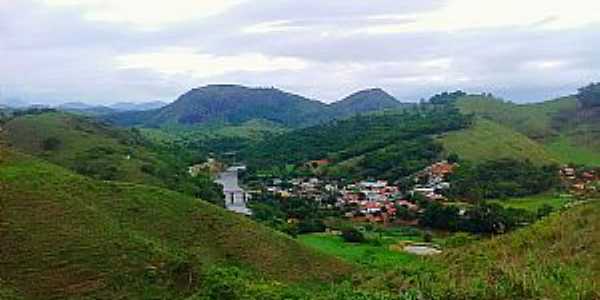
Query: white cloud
point(147, 14)
point(273, 26)
point(545, 64)
point(177, 61)
point(459, 15)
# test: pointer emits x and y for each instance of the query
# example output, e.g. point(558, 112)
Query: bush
point(352, 235)
point(458, 240)
point(51, 144)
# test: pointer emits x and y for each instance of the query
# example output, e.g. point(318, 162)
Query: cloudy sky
point(106, 51)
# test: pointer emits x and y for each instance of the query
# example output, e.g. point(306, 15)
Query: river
point(235, 197)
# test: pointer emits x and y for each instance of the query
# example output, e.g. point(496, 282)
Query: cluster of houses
point(581, 181)
point(433, 180)
point(369, 200)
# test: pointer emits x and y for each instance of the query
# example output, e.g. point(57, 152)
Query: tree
point(453, 158)
point(51, 144)
point(439, 216)
point(352, 235)
point(589, 96)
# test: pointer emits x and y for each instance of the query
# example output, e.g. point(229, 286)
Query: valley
point(378, 200)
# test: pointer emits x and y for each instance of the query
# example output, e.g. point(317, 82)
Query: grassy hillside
point(533, 120)
point(489, 140)
point(78, 141)
point(104, 152)
point(556, 258)
point(568, 133)
point(65, 236)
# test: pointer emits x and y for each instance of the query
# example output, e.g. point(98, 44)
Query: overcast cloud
point(106, 51)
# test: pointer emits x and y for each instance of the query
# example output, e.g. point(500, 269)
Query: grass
point(488, 140)
point(532, 120)
point(556, 258)
point(533, 203)
point(565, 134)
point(70, 237)
point(85, 143)
point(366, 254)
point(563, 148)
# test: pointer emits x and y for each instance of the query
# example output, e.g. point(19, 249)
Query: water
point(235, 197)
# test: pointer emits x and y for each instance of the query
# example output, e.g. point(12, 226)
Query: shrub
point(51, 144)
point(352, 235)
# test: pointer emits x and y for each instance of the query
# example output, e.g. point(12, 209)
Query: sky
point(107, 51)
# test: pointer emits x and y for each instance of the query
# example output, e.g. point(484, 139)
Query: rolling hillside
point(71, 237)
point(236, 104)
point(489, 140)
point(389, 144)
point(568, 132)
point(556, 258)
point(104, 152)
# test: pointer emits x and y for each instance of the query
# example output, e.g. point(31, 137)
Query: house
point(315, 164)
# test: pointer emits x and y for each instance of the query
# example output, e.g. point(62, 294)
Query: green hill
point(567, 131)
point(558, 258)
point(489, 140)
point(390, 144)
point(104, 152)
point(66, 236)
point(536, 121)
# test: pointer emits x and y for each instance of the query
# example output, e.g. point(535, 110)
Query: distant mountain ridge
point(100, 110)
point(366, 101)
point(237, 104)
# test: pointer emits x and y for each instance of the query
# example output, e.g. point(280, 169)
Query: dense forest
point(496, 179)
point(387, 144)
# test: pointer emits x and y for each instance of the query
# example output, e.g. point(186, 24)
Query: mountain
point(85, 109)
point(130, 106)
point(237, 104)
point(365, 101)
point(14, 103)
point(75, 106)
point(231, 104)
point(67, 236)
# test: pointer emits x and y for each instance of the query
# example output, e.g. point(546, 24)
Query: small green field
point(533, 203)
point(375, 252)
point(363, 254)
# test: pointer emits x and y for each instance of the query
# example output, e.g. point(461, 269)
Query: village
point(373, 200)
point(380, 201)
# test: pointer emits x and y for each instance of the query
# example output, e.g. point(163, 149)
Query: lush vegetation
point(385, 145)
point(482, 218)
point(290, 215)
point(566, 127)
point(487, 140)
point(536, 202)
point(66, 236)
point(237, 104)
point(502, 179)
point(589, 96)
point(103, 152)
